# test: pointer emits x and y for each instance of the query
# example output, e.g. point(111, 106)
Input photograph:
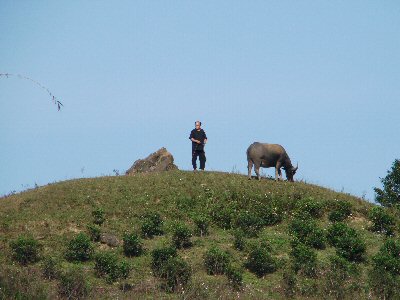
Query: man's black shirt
point(198, 135)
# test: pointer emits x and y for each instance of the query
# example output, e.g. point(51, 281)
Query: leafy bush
point(304, 259)
point(51, 268)
point(289, 283)
point(347, 242)
point(98, 216)
point(340, 278)
point(270, 214)
point(181, 235)
point(341, 210)
point(239, 240)
point(73, 284)
point(222, 216)
point(390, 195)
point(216, 261)
point(107, 265)
point(152, 225)
point(94, 232)
point(202, 223)
point(235, 276)
point(160, 256)
point(384, 277)
point(133, 246)
point(308, 232)
point(79, 248)
point(176, 274)
point(249, 223)
point(260, 261)
point(25, 249)
point(308, 208)
point(382, 221)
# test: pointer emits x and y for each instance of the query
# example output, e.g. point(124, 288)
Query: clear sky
point(321, 78)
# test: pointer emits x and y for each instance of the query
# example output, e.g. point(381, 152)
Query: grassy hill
point(276, 236)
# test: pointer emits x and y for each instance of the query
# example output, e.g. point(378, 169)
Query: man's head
point(197, 124)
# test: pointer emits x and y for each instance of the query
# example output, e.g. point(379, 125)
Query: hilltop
point(265, 211)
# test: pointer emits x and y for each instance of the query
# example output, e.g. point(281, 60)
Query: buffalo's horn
point(295, 169)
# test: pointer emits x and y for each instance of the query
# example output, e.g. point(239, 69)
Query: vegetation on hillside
point(184, 235)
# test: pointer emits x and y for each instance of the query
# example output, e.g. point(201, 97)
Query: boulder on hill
point(161, 160)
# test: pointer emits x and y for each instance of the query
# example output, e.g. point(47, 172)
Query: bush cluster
point(172, 269)
point(79, 248)
point(270, 214)
point(223, 216)
point(341, 210)
point(133, 246)
point(152, 225)
point(308, 208)
point(235, 276)
point(307, 231)
point(385, 275)
point(304, 259)
point(202, 223)
point(98, 216)
point(51, 268)
point(108, 266)
point(94, 232)
point(181, 235)
point(216, 261)
point(73, 284)
point(260, 261)
point(249, 223)
point(347, 242)
point(239, 242)
point(382, 221)
point(25, 249)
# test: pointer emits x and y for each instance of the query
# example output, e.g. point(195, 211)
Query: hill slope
point(56, 213)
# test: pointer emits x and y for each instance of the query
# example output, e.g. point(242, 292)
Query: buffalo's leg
point(249, 167)
point(257, 170)
point(278, 173)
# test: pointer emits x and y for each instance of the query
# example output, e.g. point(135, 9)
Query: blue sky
point(320, 78)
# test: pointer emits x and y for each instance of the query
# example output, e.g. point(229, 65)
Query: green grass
point(55, 213)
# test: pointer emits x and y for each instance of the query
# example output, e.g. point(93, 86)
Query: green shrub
point(98, 216)
point(176, 274)
point(152, 225)
point(160, 256)
point(181, 235)
point(202, 223)
point(390, 195)
point(73, 284)
point(342, 209)
point(347, 242)
point(222, 216)
point(94, 232)
point(51, 268)
point(308, 232)
point(133, 246)
point(304, 259)
point(79, 248)
point(308, 208)
point(249, 223)
point(107, 265)
point(235, 276)
point(384, 278)
point(270, 214)
point(25, 249)
point(216, 261)
point(239, 240)
point(185, 203)
point(382, 221)
point(260, 261)
point(341, 278)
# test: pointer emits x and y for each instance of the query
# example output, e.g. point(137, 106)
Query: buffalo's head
point(290, 172)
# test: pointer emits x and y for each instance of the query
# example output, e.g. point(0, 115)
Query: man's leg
point(202, 155)
point(194, 158)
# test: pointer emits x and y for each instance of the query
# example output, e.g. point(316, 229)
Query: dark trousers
point(202, 155)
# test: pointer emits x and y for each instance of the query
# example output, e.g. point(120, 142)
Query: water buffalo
point(269, 155)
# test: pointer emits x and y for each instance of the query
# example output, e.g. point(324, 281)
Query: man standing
point(199, 139)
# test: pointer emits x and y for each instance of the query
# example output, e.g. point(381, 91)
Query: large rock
point(161, 160)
